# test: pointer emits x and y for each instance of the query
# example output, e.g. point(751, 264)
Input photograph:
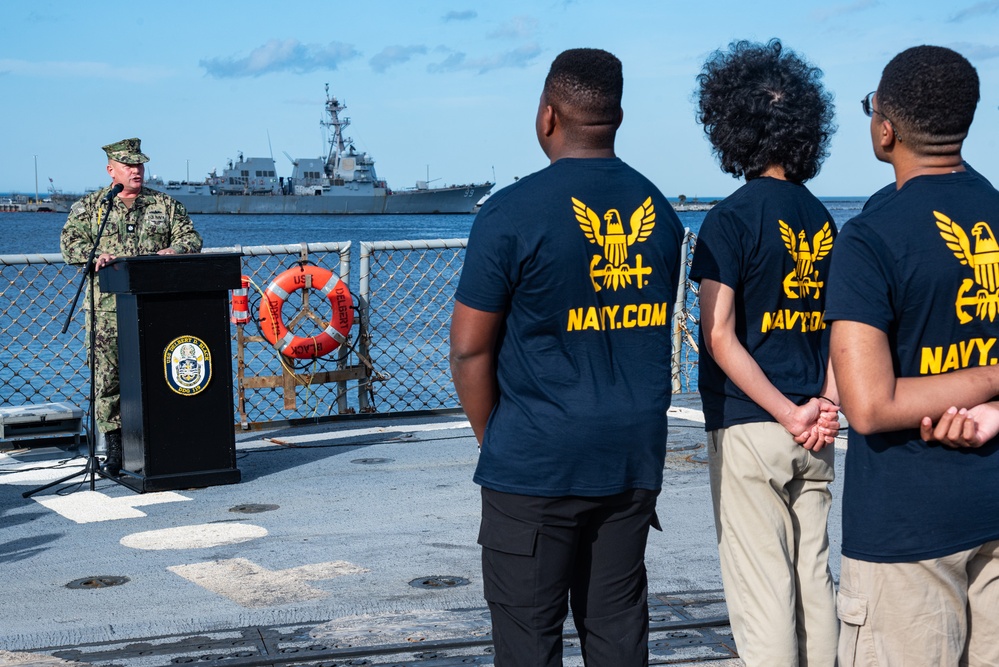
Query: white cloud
point(981, 9)
point(976, 51)
point(288, 55)
point(465, 15)
point(519, 27)
point(395, 55)
point(516, 58)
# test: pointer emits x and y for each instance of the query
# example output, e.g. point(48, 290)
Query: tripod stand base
point(92, 470)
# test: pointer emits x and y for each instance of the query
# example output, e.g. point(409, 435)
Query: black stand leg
point(92, 468)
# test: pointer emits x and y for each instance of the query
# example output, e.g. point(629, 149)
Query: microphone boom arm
point(89, 266)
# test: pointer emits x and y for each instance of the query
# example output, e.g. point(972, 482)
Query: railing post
point(679, 314)
point(341, 388)
point(363, 302)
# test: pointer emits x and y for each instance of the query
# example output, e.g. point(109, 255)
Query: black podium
point(175, 368)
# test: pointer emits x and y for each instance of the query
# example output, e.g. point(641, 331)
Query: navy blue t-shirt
point(583, 257)
point(770, 241)
point(876, 198)
point(920, 265)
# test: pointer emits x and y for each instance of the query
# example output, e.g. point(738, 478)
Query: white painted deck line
point(94, 506)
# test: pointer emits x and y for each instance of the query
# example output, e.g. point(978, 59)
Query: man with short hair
point(140, 221)
point(560, 352)
point(914, 300)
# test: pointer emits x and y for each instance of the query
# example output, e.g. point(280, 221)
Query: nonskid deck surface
point(686, 629)
point(346, 543)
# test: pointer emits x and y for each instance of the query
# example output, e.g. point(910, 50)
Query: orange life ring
point(306, 347)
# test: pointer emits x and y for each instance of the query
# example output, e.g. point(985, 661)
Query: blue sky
point(447, 86)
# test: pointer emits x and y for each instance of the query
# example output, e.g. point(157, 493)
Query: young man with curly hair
point(913, 301)
point(560, 353)
point(762, 260)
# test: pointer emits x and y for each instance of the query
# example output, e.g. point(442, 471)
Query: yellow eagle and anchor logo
point(984, 260)
point(616, 272)
point(805, 278)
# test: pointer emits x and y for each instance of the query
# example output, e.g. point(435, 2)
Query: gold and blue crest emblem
point(187, 365)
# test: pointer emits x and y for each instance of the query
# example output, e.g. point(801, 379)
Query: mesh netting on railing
point(396, 359)
point(40, 364)
point(408, 287)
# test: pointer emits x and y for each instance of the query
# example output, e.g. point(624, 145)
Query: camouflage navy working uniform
point(154, 222)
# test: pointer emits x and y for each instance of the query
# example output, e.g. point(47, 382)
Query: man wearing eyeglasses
point(914, 305)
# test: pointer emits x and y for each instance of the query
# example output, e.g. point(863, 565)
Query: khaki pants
point(771, 502)
point(940, 612)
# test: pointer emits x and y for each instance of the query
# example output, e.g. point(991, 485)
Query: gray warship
point(342, 183)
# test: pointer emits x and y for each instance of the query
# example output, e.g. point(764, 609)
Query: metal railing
point(686, 321)
point(38, 363)
point(395, 361)
point(406, 292)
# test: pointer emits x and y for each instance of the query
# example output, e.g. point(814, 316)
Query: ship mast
point(336, 125)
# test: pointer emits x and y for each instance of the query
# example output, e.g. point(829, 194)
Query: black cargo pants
point(541, 555)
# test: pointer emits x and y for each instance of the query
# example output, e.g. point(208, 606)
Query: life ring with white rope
point(300, 277)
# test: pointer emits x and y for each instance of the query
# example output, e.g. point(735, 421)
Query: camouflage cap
point(126, 151)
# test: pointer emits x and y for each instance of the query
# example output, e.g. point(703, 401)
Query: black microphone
point(118, 187)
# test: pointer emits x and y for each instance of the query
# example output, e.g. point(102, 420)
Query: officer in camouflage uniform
point(141, 221)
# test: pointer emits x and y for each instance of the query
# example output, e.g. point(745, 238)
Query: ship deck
point(346, 543)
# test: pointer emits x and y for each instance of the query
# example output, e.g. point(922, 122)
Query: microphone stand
point(92, 467)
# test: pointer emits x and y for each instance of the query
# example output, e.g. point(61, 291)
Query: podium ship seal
point(187, 365)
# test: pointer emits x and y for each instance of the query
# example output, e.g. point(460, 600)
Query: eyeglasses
point(869, 111)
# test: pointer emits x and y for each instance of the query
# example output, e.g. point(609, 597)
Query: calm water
point(29, 233)
point(22, 233)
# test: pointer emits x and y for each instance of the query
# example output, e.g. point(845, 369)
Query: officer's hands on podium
point(103, 260)
point(106, 258)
